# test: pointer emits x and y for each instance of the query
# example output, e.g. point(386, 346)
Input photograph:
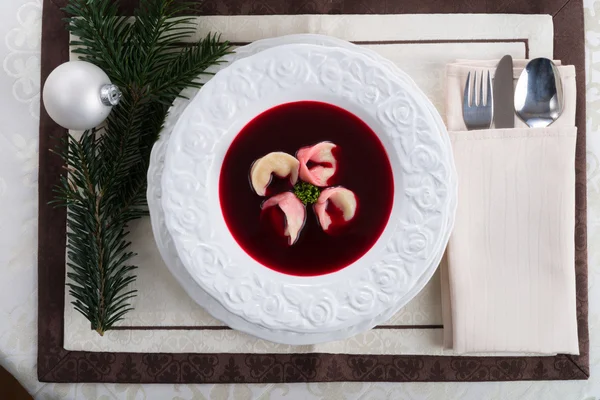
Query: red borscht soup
point(362, 167)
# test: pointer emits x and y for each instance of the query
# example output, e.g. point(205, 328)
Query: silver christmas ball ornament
point(78, 95)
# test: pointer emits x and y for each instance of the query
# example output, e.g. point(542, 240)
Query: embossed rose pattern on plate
point(386, 277)
point(415, 235)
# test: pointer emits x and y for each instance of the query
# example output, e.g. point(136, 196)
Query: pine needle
point(105, 187)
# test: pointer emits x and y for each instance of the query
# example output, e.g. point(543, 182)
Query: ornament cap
point(110, 95)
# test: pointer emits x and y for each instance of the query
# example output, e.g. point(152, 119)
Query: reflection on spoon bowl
point(539, 93)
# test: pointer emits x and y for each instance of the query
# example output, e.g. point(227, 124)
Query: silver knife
point(504, 106)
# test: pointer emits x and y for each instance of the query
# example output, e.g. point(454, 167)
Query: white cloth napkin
point(509, 282)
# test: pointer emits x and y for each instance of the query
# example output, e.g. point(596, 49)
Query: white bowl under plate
point(333, 315)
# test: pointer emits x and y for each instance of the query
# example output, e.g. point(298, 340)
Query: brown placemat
point(55, 364)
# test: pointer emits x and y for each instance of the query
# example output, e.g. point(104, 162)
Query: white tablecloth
point(19, 103)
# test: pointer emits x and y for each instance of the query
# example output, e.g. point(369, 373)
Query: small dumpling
point(278, 163)
point(343, 199)
point(322, 155)
point(294, 211)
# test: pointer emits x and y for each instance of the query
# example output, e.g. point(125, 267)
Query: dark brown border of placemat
point(55, 364)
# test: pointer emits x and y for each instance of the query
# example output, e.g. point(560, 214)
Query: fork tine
point(481, 84)
point(488, 101)
point(474, 90)
point(466, 93)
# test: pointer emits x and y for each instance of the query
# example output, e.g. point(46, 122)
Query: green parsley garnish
point(306, 192)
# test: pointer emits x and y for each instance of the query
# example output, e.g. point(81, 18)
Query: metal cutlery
point(477, 111)
point(539, 94)
point(504, 107)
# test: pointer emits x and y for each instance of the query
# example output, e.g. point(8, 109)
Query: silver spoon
point(539, 93)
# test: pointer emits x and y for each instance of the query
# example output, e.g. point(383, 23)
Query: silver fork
point(478, 114)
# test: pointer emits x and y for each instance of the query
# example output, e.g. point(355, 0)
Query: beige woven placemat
point(165, 319)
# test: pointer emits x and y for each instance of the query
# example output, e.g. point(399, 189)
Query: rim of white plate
point(166, 246)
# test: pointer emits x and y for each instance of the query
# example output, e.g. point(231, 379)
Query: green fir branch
point(104, 188)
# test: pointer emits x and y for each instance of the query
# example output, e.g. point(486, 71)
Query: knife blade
point(504, 107)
